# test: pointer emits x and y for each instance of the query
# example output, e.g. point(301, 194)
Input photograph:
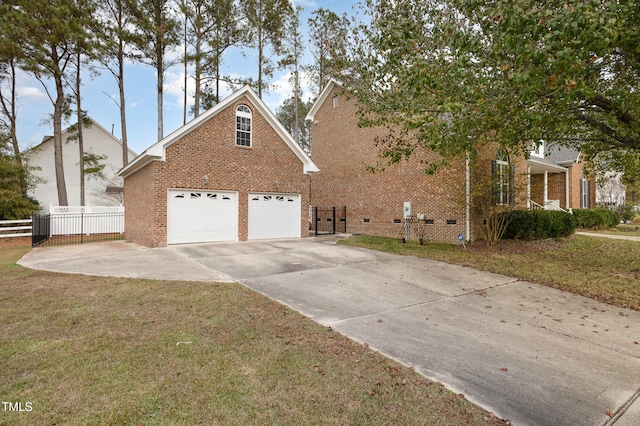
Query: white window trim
point(244, 114)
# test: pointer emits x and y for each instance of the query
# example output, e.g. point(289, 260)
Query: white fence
point(87, 220)
point(70, 220)
point(15, 228)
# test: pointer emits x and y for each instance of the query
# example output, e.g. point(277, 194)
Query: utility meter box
point(408, 209)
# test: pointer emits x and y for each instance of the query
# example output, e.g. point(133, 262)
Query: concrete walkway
point(612, 236)
point(528, 353)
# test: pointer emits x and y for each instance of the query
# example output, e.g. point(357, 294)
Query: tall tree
point(44, 37)
point(294, 121)
point(450, 73)
point(265, 27)
point(117, 43)
point(9, 115)
point(158, 31)
point(213, 28)
point(328, 36)
point(293, 48)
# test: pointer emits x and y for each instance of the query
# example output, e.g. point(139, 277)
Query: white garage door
point(274, 216)
point(201, 216)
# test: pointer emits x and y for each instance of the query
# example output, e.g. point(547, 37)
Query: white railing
point(70, 220)
point(549, 205)
point(85, 209)
point(8, 231)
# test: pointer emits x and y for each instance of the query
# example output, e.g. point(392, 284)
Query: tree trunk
point(11, 113)
point(80, 140)
point(123, 114)
point(160, 78)
point(57, 142)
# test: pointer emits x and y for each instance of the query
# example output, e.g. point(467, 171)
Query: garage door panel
point(201, 216)
point(274, 216)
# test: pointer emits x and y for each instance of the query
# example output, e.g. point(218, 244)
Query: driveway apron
point(528, 353)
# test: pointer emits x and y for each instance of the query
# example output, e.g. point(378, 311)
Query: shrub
point(13, 206)
point(539, 224)
point(596, 218)
point(627, 211)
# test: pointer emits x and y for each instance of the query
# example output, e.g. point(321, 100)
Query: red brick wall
point(343, 151)
point(210, 150)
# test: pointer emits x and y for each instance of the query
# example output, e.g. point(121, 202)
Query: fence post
point(334, 220)
point(315, 219)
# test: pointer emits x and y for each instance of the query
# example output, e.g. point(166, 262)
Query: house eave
point(539, 165)
point(157, 152)
point(322, 98)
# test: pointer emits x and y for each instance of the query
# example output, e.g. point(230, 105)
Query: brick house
point(233, 173)
point(559, 179)
point(375, 202)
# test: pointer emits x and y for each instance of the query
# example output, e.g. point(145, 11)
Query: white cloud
point(32, 93)
point(308, 3)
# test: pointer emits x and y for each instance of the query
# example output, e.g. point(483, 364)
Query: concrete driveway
point(528, 353)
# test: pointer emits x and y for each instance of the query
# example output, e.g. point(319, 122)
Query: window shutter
point(512, 185)
point(588, 194)
point(581, 193)
point(495, 180)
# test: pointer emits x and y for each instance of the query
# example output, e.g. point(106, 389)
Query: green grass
point(603, 269)
point(109, 351)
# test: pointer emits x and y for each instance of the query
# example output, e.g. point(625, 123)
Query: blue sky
point(140, 83)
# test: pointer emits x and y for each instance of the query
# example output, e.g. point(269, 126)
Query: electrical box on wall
point(408, 210)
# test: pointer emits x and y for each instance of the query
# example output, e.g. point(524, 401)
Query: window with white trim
point(243, 126)
point(585, 192)
point(503, 179)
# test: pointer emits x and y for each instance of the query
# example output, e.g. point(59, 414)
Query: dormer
point(537, 150)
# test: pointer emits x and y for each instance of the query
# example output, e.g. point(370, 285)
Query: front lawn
point(78, 350)
point(603, 269)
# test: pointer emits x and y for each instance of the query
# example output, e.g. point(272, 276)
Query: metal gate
point(328, 220)
point(40, 228)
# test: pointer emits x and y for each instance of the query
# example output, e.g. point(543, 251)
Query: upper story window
point(243, 126)
point(503, 179)
point(537, 150)
point(335, 101)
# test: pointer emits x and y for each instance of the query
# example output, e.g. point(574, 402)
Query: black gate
point(328, 220)
point(41, 227)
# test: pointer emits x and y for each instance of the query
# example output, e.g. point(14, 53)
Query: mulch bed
point(519, 246)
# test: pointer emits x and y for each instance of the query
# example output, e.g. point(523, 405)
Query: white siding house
point(98, 191)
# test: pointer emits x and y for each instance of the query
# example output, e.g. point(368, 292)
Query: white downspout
point(468, 200)
point(528, 188)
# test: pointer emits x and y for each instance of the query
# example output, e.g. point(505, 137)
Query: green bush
point(627, 211)
point(539, 224)
point(13, 206)
point(596, 218)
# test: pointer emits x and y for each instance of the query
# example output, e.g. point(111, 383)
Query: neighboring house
point(233, 173)
point(610, 191)
point(99, 191)
point(377, 203)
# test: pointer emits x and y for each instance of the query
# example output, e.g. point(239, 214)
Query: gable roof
point(157, 151)
point(323, 97)
point(562, 154)
point(47, 138)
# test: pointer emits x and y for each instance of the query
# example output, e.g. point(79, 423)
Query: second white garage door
point(274, 216)
point(201, 216)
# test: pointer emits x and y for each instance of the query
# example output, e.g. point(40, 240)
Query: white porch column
point(566, 190)
point(546, 189)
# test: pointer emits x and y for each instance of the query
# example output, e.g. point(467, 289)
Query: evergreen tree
point(43, 37)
